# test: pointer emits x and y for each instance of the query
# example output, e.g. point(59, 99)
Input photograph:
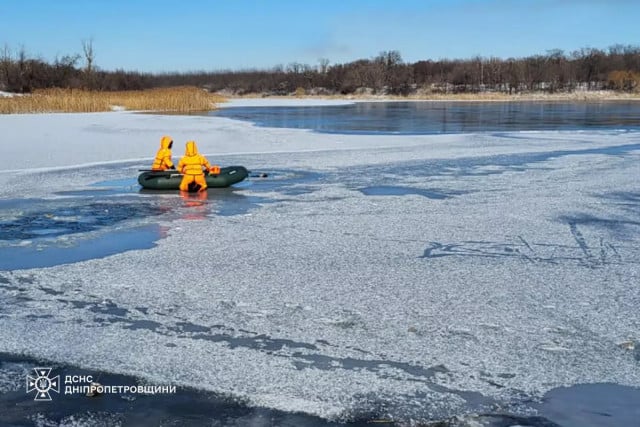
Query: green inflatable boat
point(170, 179)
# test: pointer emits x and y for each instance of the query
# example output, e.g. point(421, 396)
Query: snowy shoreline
point(573, 97)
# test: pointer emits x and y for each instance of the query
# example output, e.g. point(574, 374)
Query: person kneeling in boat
point(163, 157)
point(191, 165)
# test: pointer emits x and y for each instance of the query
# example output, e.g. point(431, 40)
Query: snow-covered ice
point(409, 276)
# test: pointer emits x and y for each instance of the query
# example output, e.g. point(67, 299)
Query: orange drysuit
point(191, 165)
point(163, 158)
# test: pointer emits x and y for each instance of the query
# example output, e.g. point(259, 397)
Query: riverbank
point(578, 96)
point(185, 100)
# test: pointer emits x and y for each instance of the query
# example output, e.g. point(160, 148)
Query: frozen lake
point(490, 276)
point(416, 118)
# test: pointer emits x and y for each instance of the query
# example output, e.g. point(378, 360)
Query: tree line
point(616, 68)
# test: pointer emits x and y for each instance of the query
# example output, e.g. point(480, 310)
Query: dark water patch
point(191, 327)
point(77, 304)
point(319, 361)
point(327, 363)
point(388, 190)
point(186, 407)
point(258, 342)
point(110, 187)
point(502, 420)
point(12, 204)
point(108, 307)
point(114, 242)
point(297, 191)
point(58, 218)
point(50, 291)
point(236, 204)
point(215, 201)
point(586, 405)
point(591, 405)
point(109, 312)
point(418, 118)
point(148, 325)
point(39, 316)
point(112, 313)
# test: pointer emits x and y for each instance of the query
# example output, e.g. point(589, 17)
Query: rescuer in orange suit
point(191, 165)
point(163, 158)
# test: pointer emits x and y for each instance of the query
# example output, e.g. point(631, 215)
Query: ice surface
point(338, 301)
point(282, 102)
point(12, 377)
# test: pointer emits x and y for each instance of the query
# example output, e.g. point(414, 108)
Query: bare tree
point(64, 73)
point(23, 70)
point(89, 56)
point(5, 67)
point(295, 68)
point(323, 65)
point(390, 58)
point(617, 68)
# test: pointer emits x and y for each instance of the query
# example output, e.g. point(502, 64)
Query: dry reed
point(177, 99)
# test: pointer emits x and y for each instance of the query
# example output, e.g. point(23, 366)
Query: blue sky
point(211, 35)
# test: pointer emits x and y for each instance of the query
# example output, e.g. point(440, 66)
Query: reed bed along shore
point(177, 99)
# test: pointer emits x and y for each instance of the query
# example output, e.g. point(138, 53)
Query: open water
point(415, 118)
